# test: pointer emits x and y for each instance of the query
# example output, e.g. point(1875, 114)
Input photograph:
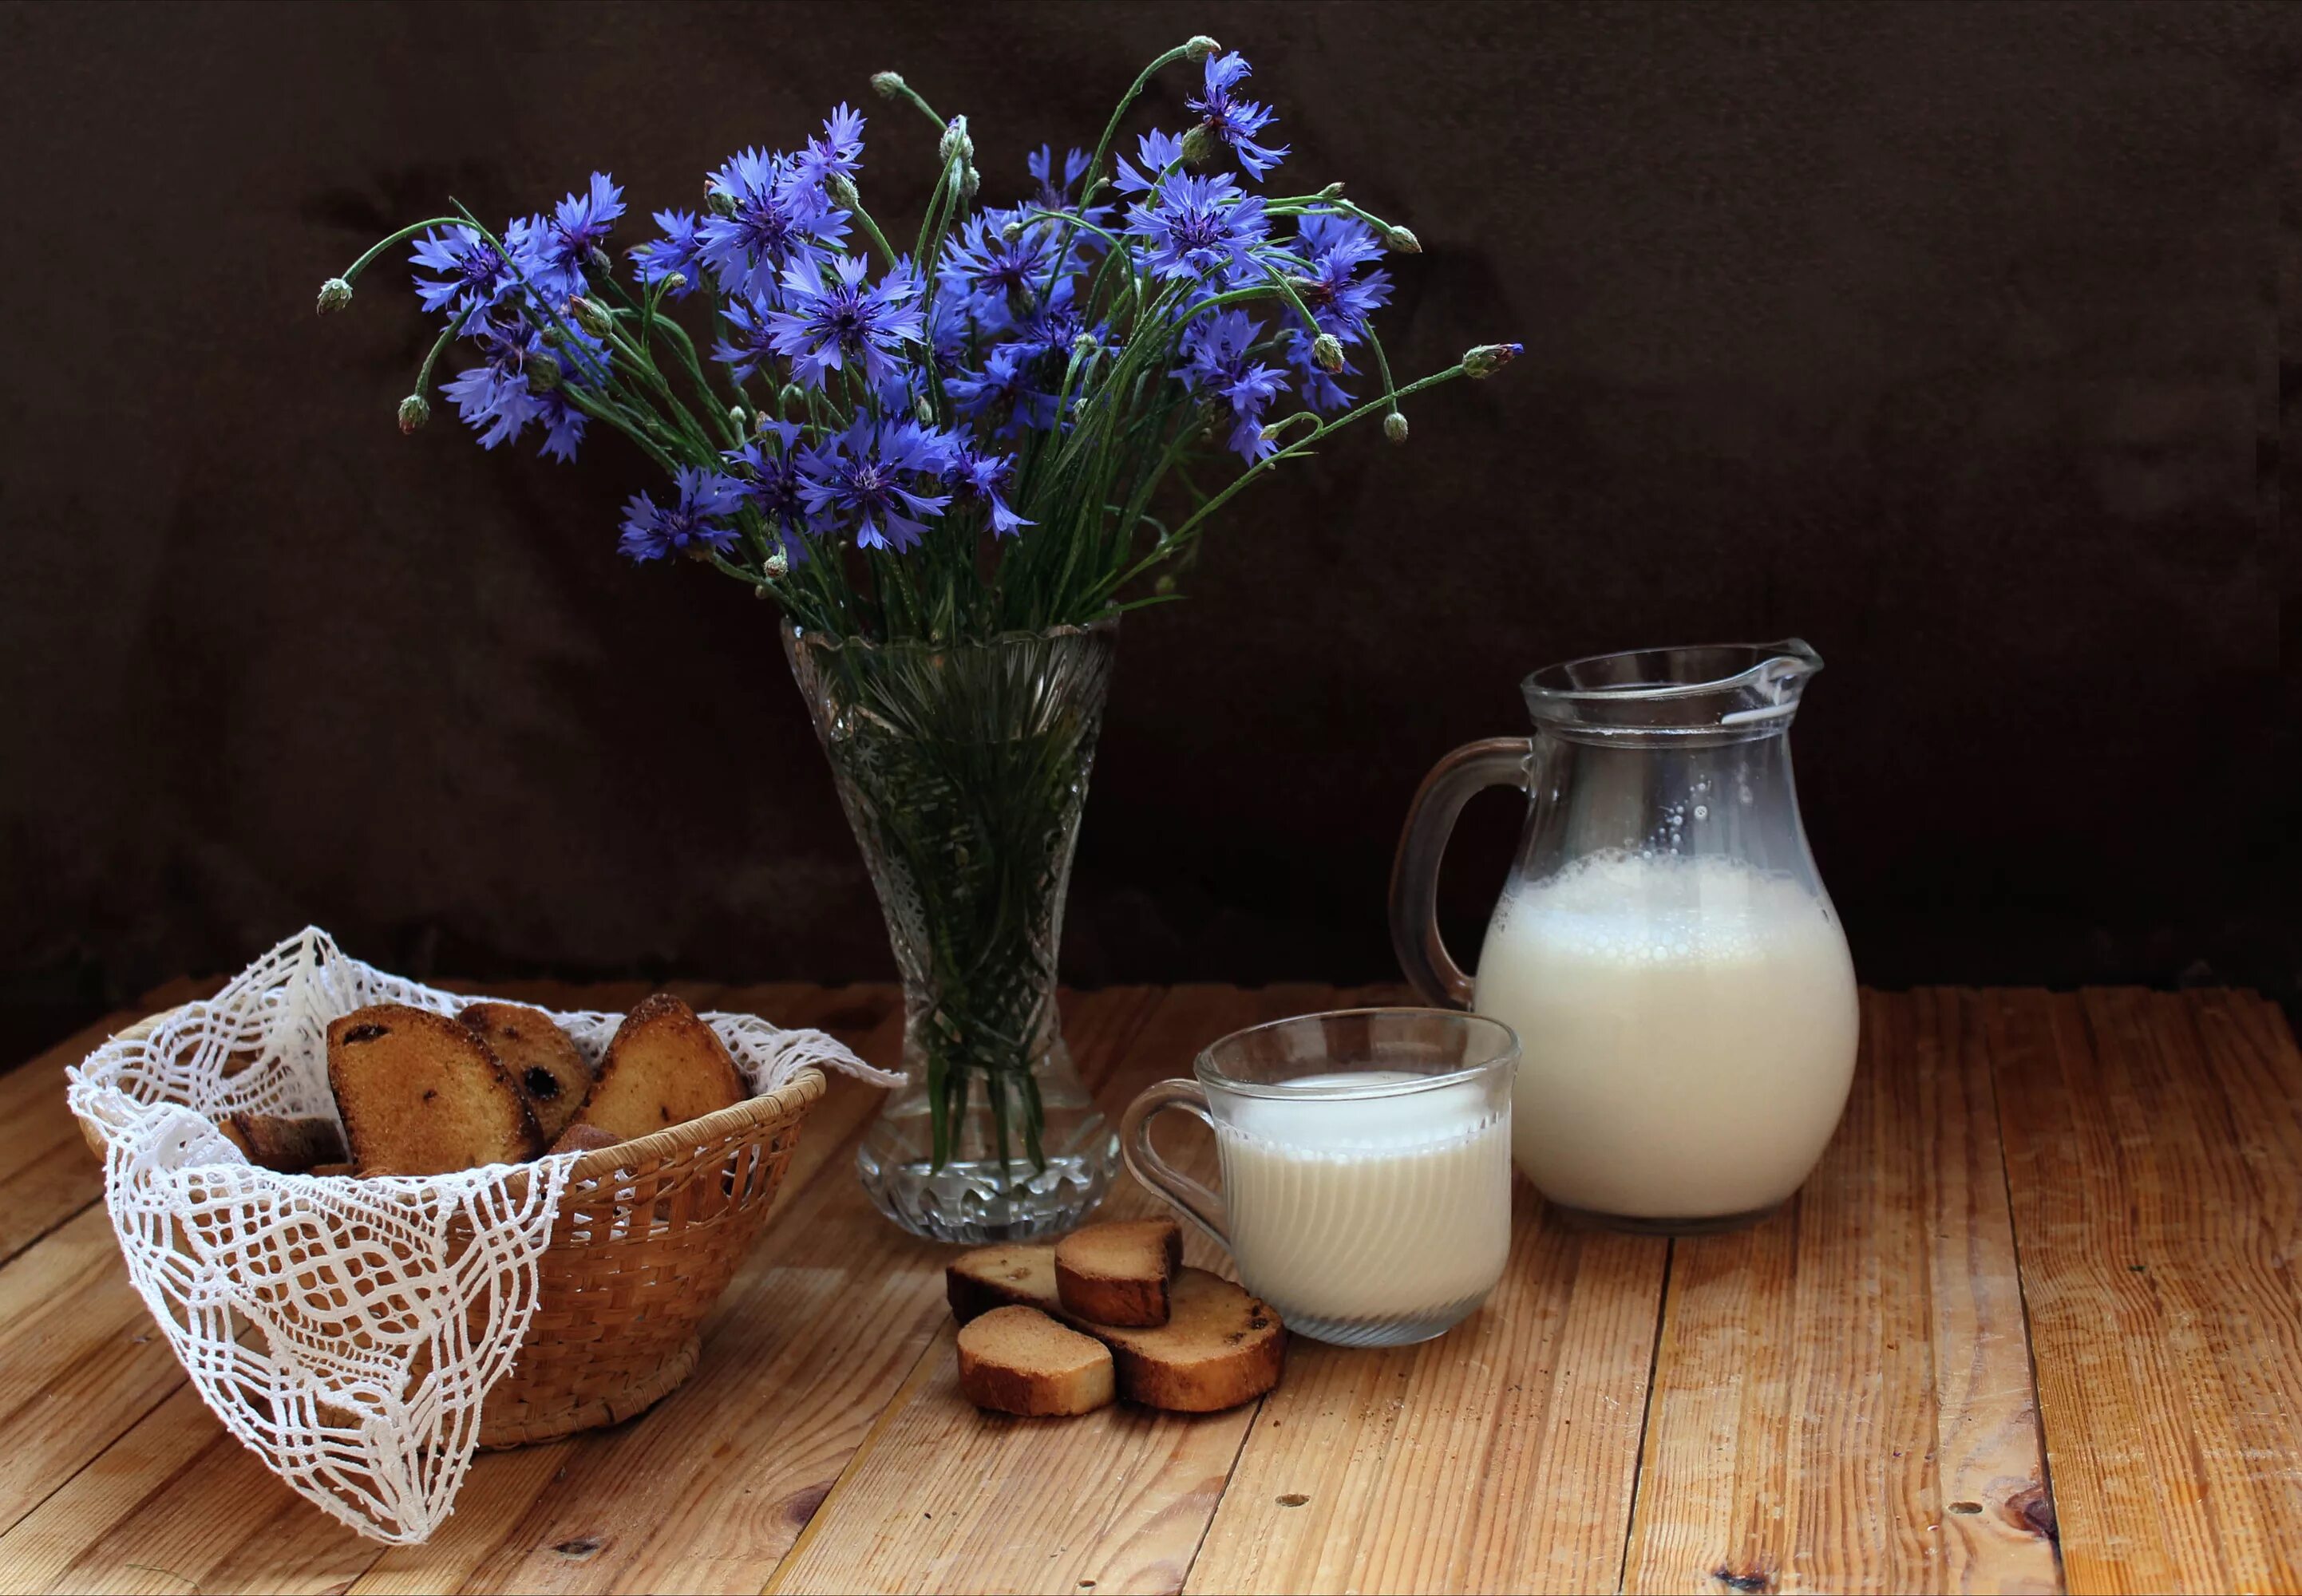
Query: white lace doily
point(346, 1331)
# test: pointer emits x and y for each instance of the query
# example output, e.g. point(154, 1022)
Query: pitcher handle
point(1497, 761)
point(1201, 1206)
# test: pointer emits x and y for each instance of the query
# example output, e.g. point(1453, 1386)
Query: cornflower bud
point(589, 316)
point(779, 564)
point(1332, 191)
point(543, 374)
point(793, 394)
point(414, 412)
point(1327, 350)
point(1083, 343)
point(1401, 240)
point(674, 282)
point(334, 295)
point(763, 424)
point(888, 84)
point(598, 260)
point(954, 138)
point(842, 189)
point(970, 182)
point(1394, 427)
point(1164, 586)
point(922, 411)
point(1489, 358)
point(1011, 231)
point(722, 204)
point(1199, 145)
point(1199, 46)
point(736, 418)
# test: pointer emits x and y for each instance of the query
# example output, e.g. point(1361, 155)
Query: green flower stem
point(905, 92)
point(886, 250)
point(1167, 547)
point(351, 272)
point(432, 358)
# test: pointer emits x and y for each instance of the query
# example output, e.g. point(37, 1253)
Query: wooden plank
point(81, 1360)
point(150, 1499)
point(1497, 1458)
point(47, 1173)
point(2153, 1148)
point(944, 1498)
point(179, 1505)
point(1808, 1365)
point(707, 1492)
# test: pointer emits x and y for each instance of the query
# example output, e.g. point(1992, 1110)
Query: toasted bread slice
point(1219, 1348)
point(421, 1095)
point(1018, 1360)
point(991, 1277)
point(1118, 1273)
point(583, 1139)
point(543, 1060)
point(664, 1068)
point(290, 1146)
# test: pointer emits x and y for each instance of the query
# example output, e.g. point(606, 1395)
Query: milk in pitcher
point(1687, 1028)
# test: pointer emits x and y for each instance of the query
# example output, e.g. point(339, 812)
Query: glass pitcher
point(1679, 982)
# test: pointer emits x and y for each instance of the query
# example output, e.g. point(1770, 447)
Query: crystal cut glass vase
point(964, 770)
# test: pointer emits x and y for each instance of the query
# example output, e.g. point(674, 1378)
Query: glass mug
point(1664, 948)
point(1366, 1158)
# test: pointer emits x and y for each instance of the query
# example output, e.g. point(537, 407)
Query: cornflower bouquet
point(997, 436)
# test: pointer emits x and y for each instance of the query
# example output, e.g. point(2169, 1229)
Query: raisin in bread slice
point(543, 1060)
point(1119, 1273)
point(420, 1094)
point(1219, 1348)
point(664, 1068)
point(1018, 1360)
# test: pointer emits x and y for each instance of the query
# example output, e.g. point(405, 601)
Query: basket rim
point(789, 1102)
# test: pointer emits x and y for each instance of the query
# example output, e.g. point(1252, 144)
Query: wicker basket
point(648, 1235)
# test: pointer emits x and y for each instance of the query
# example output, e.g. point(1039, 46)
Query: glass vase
point(963, 770)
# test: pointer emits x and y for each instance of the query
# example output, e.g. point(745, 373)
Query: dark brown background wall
point(1949, 336)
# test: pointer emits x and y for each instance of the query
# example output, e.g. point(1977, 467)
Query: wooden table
point(2036, 1323)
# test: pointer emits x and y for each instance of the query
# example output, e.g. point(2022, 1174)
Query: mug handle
point(1496, 763)
point(1196, 1204)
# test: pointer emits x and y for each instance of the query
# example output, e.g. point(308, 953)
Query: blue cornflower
point(824, 325)
point(494, 397)
point(1053, 196)
point(746, 342)
point(1198, 227)
point(776, 219)
point(1158, 152)
point(1220, 364)
point(680, 250)
point(1332, 248)
point(559, 246)
point(986, 270)
point(472, 272)
point(874, 479)
point(770, 483)
point(981, 476)
point(838, 153)
point(1235, 120)
point(694, 521)
point(1004, 389)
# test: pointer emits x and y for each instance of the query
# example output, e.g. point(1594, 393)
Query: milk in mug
point(1687, 1029)
point(1367, 1209)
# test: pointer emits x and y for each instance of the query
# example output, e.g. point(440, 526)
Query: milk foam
point(1687, 1028)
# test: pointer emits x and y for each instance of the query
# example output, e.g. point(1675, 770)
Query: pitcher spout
point(1716, 691)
